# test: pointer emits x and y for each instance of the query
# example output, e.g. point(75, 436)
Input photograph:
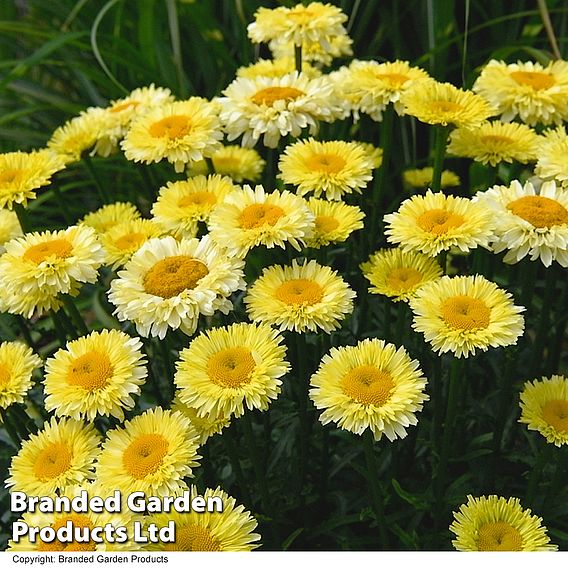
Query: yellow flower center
point(299, 291)
point(535, 79)
point(395, 79)
point(326, 224)
point(439, 221)
point(193, 538)
point(402, 279)
point(539, 211)
point(123, 106)
point(328, 163)
point(466, 313)
point(445, 107)
point(52, 461)
point(496, 139)
point(555, 412)
point(58, 248)
point(130, 241)
point(198, 198)
point(145, 455)
point(79, 521)
point(90, 371)
point(4, 375)
point(368, 385)
point(172, 127)
point(171, 276)
point(270, 95)
point(258, 214)
point(499, 537)
point(10, 175)
point(301, 15)
point(231, 367)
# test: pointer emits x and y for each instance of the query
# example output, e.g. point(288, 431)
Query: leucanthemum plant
point(493, 524)
point(544, 408)
point(333, 169)
point(301, 297)
point(98, 374)
point(435, 222)
point(62, 454)
point(226, 370)
point(465, 314)
point(373, 385)
point(167, 284)
point(531, 223)
point(249, 217)
point(152, 453)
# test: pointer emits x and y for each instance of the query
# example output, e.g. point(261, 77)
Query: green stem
point(402, 312)
point(230, 443)
point(256, 459)
point(543, 330)
point(74, 314)
point(95, 178)
point(374, 486)
point(298, 58)
point(382, 176)
point(443, 260)
point(23, 420)
point(21, 323)
point(506, 390)
point(6, 421)
point(560, 473)
point(210, 165)
point(62, 204)
point(22, 214)
point(147, 182)
point(302, 393)
point(59, 330)
point(542, 459)
point(455, 378)
point(440, 139)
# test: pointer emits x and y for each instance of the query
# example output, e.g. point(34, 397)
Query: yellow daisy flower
point(337, 46)
point(552, 161)
point(167, 284)
point(234, 161)
point(248, 218)
point(152, 453)
point(38, 267)
point(60, 455)
point(398, 274)
point(78, 134)
point(492, 524)
point(124, 239)
point(121, 112)
point(97, 374)
point(9, 227)
point(17, 363)
point(534, 93)
point(370, 385)
point(87, 521)
point(228, 531)
point(464, 314)
point(444, 104)
point(182, 204)
point(21, 173)
point(181, 132)
point(529, 222)
point(374, 153)
point(314, 23)
point(206, 425)
point(544, 408)
point(373, 85)
point(271, 107)
point(422, 178)
point(332, 168)
point(110, 215)
point(302, 297)
point(225, 369)
point(495, 142)
point(276, 68)
point(434, 222)
point(334, 222)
